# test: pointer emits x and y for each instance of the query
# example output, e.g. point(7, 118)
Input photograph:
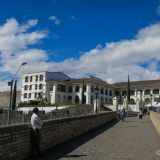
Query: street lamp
point(10, 83)
point(96, 91)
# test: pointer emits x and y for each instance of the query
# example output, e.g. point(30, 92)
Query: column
point(54, 94)
point(115, 104)
point(88, 94)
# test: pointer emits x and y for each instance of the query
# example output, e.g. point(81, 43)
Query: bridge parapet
point(155, 118)
point(15, 139)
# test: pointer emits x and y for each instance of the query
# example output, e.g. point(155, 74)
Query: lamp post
point(10, 83)
point(96, 91)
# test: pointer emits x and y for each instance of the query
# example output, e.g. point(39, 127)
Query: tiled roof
point(145, 83)
point(90, 79)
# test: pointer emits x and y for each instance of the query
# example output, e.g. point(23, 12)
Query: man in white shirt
point(36, 132)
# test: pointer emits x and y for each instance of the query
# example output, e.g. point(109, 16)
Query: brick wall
point(15, 140)
point(155, 118)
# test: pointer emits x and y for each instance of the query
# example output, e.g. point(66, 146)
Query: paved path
point(130, 140)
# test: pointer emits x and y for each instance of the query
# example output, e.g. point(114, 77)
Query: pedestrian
point(140, 115)
point(122, 114)
point(36, 132)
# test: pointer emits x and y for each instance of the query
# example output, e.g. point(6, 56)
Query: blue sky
point(72, 34)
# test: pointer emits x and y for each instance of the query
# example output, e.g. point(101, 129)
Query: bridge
point(132, 139)
point(79, 138)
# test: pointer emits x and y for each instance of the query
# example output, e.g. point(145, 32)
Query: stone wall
point(15, 139)
point(155, 118)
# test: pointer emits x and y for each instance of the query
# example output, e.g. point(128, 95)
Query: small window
point(77, 88)
point(30, 87)
point(30, 78)
point(29, 95)
point(25, 87)
point(40, 95)
point(41, 78)
point(25, 95)
point(40, 86)
point(35, 86)
point(26, 79)
point(70, 89)
point(36, 78)
point(35, 95)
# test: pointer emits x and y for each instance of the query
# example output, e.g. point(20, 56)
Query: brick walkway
point(129, 140)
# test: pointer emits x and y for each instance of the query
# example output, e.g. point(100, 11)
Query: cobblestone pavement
point(133, 139)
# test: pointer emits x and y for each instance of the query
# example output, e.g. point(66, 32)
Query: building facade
point(56, 87)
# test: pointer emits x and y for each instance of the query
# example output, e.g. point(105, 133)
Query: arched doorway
point(77, 99)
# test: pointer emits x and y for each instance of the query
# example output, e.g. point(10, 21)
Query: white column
point(115, 104)
point(88, 94)
point(54, 94)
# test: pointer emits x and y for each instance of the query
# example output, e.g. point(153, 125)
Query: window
point(30, 78)
point(147, 92)
point(40, 95)
point(106, 92)
point(25, 87)
point(35, 95)
point(102, 91)
point(30, 87)
point(110, 92)
point(61, 88)
point(70, 99)
point(26, 79)
point(36, 78)
point(25, 95)
point(155, 91)
point(77, 88)
point(35, 86)
point(70, 89)
point(41, 78)
point(29, 95)
point(77, 99)
point(40, 86)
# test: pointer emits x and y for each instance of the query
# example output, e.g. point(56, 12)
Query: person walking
point(140, 115)
point(36, 132)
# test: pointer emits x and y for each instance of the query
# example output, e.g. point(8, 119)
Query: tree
point(14, 96)
point(83, 99)
point(128, 90)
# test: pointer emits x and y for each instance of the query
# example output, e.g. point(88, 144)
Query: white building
point(56, 87)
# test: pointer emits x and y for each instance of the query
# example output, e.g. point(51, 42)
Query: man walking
point(36, 132)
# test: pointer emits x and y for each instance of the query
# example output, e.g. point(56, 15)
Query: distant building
point(56, 87)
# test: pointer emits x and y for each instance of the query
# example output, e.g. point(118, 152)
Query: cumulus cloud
point(16, 41)
point(55, 19)
point(112, 62)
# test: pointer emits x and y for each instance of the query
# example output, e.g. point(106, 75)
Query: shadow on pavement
point(64, 149)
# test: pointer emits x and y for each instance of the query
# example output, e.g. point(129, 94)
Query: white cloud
point(15, 42)
point(55, 19)
point(112, 62)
